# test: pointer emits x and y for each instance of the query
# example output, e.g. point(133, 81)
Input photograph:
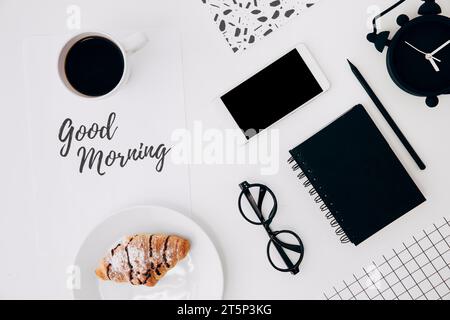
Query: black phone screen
point(272, 93)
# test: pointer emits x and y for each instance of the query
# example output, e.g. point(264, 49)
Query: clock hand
point(422, 52)
point(433, 63)
point(440, 48)
point(409, 44)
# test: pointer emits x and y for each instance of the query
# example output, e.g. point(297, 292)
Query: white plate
point(198, 276)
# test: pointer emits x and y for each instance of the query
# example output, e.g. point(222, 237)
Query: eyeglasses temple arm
point(292, 247)
point(283, 255)
point(255, 206)
point(262, 193)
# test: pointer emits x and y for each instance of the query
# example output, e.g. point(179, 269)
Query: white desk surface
point(333, 30)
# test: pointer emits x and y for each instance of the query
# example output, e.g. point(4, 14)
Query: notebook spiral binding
point(317, 199)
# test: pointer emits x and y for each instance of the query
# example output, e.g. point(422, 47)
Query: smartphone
point(276, 91)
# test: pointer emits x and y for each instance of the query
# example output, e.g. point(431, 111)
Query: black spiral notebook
point(355, 177)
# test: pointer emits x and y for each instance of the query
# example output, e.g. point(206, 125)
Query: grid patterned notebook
point(418, 270)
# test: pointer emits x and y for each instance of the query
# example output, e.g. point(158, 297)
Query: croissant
point(142, 259)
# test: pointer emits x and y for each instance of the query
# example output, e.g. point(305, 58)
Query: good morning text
point(99, 160)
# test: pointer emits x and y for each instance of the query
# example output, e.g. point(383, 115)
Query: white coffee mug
point(128, 46)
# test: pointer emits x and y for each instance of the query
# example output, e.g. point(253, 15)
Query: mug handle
point(134, 42)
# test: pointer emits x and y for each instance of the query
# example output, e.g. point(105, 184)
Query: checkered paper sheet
point(419, 269)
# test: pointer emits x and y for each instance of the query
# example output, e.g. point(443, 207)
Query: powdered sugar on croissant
point(142, 259)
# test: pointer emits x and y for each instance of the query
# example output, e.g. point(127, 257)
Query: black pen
point(387, 116)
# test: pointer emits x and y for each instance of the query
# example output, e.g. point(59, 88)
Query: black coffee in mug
point(94, 66)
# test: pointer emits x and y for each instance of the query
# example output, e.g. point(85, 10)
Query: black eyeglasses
point(281, 241)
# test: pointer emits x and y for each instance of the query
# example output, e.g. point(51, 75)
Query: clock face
point(419, 56)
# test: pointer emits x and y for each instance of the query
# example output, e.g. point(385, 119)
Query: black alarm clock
point(418, 57)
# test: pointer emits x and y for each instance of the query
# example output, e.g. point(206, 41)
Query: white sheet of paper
point(68, 204)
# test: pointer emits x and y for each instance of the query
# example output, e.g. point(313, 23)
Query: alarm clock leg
point(432, 101)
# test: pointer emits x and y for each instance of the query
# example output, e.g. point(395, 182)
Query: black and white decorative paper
point(243, 22)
